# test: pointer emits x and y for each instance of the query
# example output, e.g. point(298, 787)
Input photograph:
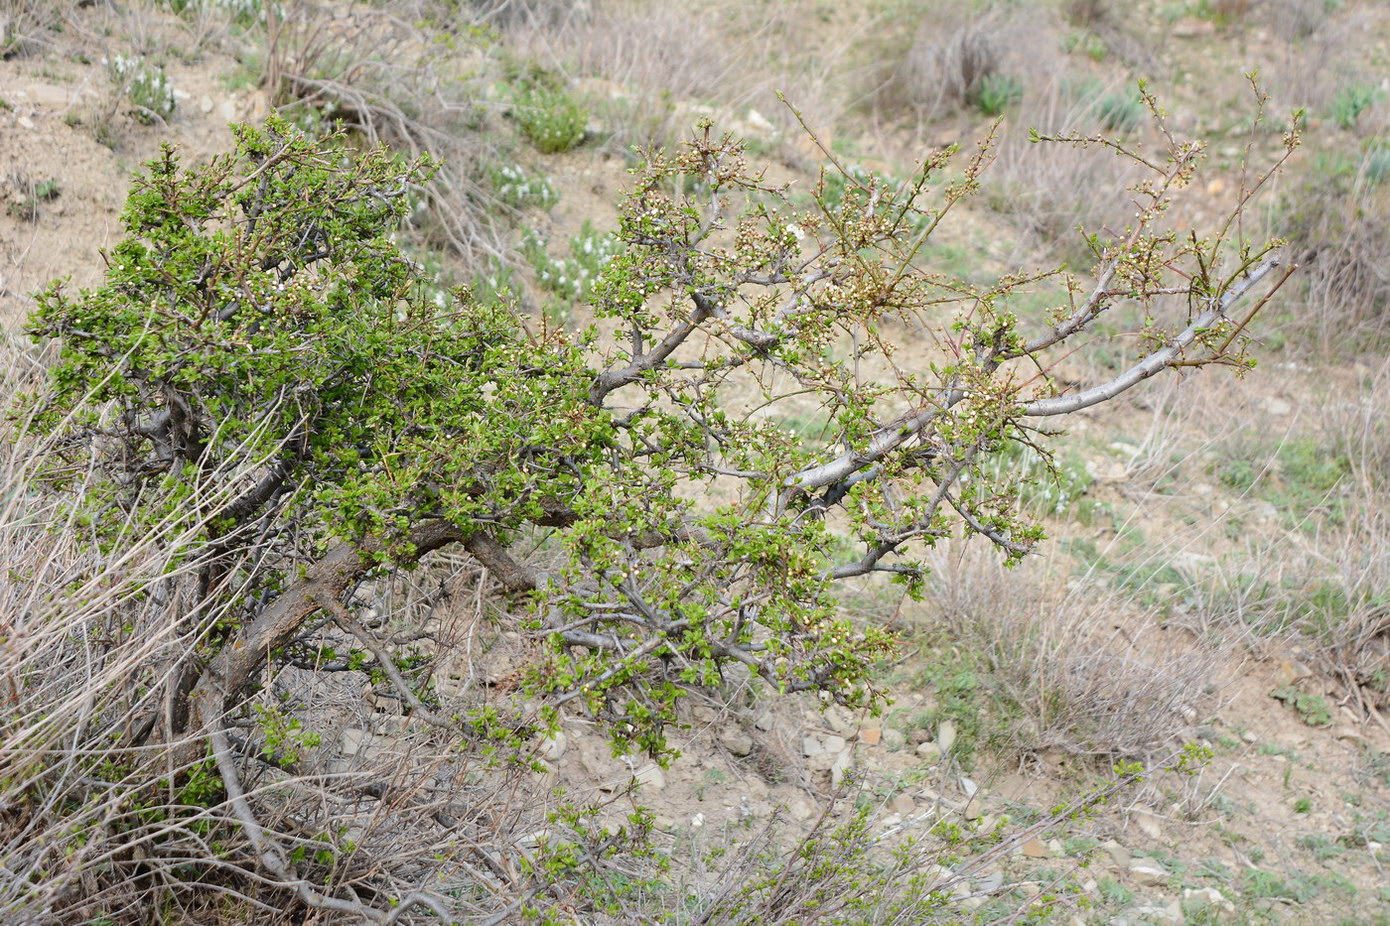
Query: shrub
point(263, 421)
point(549, 117)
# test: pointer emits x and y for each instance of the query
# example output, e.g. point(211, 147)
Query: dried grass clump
point(23, 23)
point(1052, 191)
point(940, 65)
point(386, 77)
point(1070, 669)
point(1338, 221)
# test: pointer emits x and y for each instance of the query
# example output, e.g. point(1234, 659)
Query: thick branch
point(1159, 360)
point(220, 687)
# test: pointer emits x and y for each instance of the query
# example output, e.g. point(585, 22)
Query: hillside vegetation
point(594, 461)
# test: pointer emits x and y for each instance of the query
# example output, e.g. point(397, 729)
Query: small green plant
point(1120, 112)
point(1088, 44)
point(1046, 485)
point(1313, 709)
point(570, 279)
point(521, 190)
point(1320, 846)
point(550, 118)
point(1350, 102)
point(26, 207)
point(1221, 12)
point(996, 92)
point(144, 85)
point(1113, 892)
point(1302, 805)
point(1263, 884)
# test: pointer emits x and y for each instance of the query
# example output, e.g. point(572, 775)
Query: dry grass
point(385, 77)
point(1338, 221)
point(1077, 668)
point(649, 72)
point(1051, 191)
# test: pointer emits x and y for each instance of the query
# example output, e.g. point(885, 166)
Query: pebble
point(1148, 824)
point(554, 747)
point(929, 753)
point(946, 735)
point(843, 763)
point(1148, 872)
point(894, 739)
point(1208, 897)
point(352, 740)
point(840, 720)
point(990, 882)
point(734, 739)
point(1117, 853)
point(651, 776)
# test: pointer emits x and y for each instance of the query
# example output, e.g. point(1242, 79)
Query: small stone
point(903, 804)
point(990, 882)
point(736, 740)
point(801, 809)
point(205, 105)
point(1216, 187)
point(1034, 848)
point(764, 723)
point(1148, 872)
point(840, 720)
point(834, 744)
point(352, 741)
point(1203, 897)
point(843, 763)
point(1148, 824)
point(651, 776)
point(697, 821)
point(811, 746)
point(894, 739)
point(1249, 737)
point(553, 747)
point(968, 786)
point(871, 736)
point(1191, 27)
point(929, 753)
point(1117, 853)
point(1350, 735)
point(1278, 407)
point(946, 735)
point(25, 123)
